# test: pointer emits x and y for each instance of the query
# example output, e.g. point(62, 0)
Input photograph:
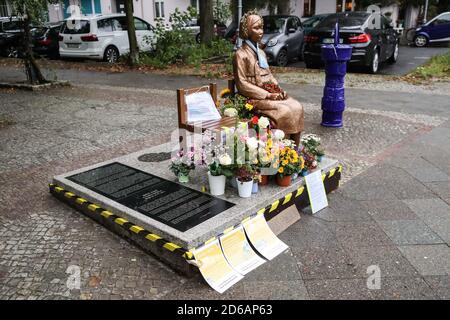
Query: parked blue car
point(435, 30)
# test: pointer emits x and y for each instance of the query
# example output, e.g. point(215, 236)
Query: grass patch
point(436, 67)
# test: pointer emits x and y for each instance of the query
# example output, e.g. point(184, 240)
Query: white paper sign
point(201, 107)
point(262, 237)
point(215, 268)
point(316, 191)
point(238, 252)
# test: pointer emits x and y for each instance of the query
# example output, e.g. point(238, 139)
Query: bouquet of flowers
point(244, 173)
point(236, 105)
point(288, 162)
point(311, 144)
point(272, 87)
point(182, 164)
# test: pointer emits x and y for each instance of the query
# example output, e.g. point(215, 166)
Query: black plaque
point(168, 202)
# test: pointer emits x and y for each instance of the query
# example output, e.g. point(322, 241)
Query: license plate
point(73, 45)
point(331, 40)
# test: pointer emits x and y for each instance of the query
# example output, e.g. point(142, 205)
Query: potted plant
point(181, 165)
point(218, 171)
point(288, 165)
point(312, 146)
point(244, 179)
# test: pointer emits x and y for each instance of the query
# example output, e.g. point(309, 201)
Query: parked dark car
point(310, 24)
point(45, 41)
point(371, 35)
point(10, 37)
point(435, 30)
point(283, 38)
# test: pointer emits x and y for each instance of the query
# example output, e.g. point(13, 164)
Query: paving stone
point(440, 285)
point(429, 260)
point(360, 234)
point(441, 189)
point(424, 171)
point(389, 260)
point(325, 263)
point(338, 289)
point(282, 268)
point(404, 232)
point(310, 231)
point(343, 209)
point(275, 290)
point(403, 289)
point(435, 213)
point(389, 210)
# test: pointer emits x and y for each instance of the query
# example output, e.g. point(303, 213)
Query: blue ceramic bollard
point(335, 57)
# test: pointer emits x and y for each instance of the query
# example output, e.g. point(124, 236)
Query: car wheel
point(420, 41)
point(12, 52)
point(282, 58)
point(111, 54)
point(375, 63)
point(197, 38)
point(394, 57)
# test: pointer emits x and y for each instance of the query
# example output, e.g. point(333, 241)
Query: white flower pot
point(216, 184)
point(245, 188)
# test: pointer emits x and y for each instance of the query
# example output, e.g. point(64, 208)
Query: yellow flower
point(224, 92)
point(269, 143)
point(302, 163)
point(248, 106)
point(285, 162)
point(280, 169)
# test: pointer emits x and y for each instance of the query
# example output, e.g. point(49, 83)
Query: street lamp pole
point(239, 40)
point(426, 11)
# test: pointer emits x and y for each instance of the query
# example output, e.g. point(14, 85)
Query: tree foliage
point(31, 12)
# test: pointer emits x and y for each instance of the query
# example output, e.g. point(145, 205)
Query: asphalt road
point(409, 59)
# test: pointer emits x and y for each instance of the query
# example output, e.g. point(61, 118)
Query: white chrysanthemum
point(263, 122)
point(230, 112)
point(252, 143)
point(278, 134)
point(225, 160)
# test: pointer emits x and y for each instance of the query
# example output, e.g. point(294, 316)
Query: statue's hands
point(284, 95)
point(273, 96)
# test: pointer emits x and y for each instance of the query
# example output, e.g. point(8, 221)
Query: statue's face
point(255, 28)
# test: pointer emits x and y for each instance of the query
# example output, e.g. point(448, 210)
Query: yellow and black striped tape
point(287, 200)
point(125, 224)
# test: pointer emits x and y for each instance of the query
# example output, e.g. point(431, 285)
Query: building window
point(348, 5)
point(159, 9)
point(4, 10)
point(194, 4)
point(309, 8)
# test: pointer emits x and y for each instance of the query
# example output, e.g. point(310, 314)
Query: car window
point(273, 24)
point(292, 24)
point(11, 25)
point(345, 20)
point(140, 25)
point(119, 24)
point(444, 19)
point(105, 25)
point(76, 27)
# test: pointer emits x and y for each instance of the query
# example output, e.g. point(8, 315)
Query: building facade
point(150, 10)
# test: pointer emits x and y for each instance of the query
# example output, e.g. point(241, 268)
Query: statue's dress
point(288, 115)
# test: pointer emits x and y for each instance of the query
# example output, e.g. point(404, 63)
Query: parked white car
point(101, 37)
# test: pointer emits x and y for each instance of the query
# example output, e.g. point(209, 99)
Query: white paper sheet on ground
point(201, 107)
point(238, 252)
point(215, 268)
point(316, 191)
point(262, 237)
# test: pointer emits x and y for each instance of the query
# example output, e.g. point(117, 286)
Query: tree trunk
point(284, 7)
point(32, 70)
point(133, 58)
point(206, 21)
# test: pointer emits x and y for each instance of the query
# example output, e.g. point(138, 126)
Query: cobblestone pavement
point(378, 216)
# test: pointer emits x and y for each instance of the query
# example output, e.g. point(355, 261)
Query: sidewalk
point(392, 210)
